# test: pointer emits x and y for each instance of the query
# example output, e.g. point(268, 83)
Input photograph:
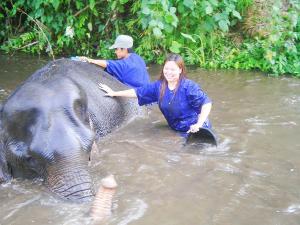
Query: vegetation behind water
point(241, 34)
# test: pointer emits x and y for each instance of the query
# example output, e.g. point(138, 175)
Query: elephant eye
point(31, 161)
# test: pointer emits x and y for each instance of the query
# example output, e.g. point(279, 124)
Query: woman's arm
point(205, 110)
point(130, 93)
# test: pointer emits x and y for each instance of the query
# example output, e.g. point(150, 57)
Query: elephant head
point(45, 132)
point(50, 122)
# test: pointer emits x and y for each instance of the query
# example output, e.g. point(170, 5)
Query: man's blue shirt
point(181, 110)
point(131, 71)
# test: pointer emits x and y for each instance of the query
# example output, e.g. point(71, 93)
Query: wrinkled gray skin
point(49, 124)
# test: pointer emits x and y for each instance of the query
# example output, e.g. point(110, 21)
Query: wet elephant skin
point(50, 122)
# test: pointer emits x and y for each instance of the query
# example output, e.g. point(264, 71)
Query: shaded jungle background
point(240, 34)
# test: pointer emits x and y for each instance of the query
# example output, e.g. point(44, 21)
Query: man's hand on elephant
point(84, 59)
point(108, 90)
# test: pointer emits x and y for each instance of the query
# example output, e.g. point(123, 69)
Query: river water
point(252, 177)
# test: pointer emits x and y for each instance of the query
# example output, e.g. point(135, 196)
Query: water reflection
point(252, 177)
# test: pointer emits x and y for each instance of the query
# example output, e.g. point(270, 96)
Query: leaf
point(123, 1)
point(294, 19)
point(79, 5)
point(146, 11)
point(153, 23)
point(236, 14)
point(208, 9)
point(13, 11)
point(168, 28)
point(188, 36)
point(113, 5)
point(55, 4)
point(92, 4)
point(157, 32)
point(218, 16)
point(214, 2)
point(233, 22)
point(160, 25)
point(90, 26)
point(175, 21)
point(208, 24)
point(172, 10)
point(169, 18)
point(150, 2)
point(164, 5)
point(189, 3)
point(269, 55)
point(181, 9)
point(101, 28)
point(175, 47)
point(223, 25)
point(144, 23)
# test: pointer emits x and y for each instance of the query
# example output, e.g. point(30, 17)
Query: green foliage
point(197, 29)
point(279, 52)
point(242, 5)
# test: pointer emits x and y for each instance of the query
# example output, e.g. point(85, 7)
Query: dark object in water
point(203, 136)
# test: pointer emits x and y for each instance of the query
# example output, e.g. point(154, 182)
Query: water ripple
point(228, 168)
point(173, 158)
point(292, 100)
point(292, 209)
point(135, 212)
point(262, 122)
point(19, 206)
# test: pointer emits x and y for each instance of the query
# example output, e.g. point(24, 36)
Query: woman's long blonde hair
point(180, 63)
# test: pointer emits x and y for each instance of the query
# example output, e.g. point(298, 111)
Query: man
point(129, 68)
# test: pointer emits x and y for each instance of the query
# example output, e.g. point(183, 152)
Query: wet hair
point(180, 63)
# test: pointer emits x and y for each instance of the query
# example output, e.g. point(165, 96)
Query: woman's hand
point(194, 128)
point(108, 90)
point(205, 110)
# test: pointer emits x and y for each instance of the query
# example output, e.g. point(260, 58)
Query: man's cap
point(122, 41)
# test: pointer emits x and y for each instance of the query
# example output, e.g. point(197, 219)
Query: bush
point(200, 30)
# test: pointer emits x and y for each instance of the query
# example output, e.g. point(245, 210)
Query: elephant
point(49, 124)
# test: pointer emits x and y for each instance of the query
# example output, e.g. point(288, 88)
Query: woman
point(184, 105)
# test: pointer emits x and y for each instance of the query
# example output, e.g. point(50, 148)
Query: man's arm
point(98, 62)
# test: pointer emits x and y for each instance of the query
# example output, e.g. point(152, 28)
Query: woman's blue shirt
point(181, 109)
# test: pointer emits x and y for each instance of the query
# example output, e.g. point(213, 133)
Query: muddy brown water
point(252, 177)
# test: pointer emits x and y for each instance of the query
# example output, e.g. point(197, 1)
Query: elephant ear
point(4, 172)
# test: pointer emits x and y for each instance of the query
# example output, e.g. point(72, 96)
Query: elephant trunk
point(70, 180)
point(101, 208)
